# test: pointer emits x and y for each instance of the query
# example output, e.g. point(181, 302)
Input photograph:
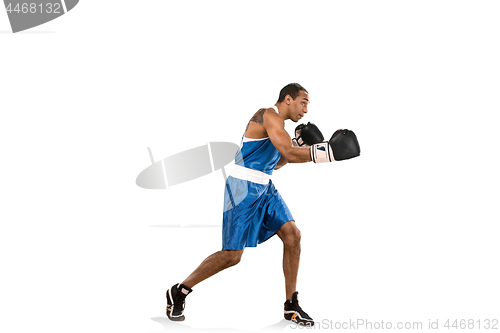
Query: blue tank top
point(258, 154)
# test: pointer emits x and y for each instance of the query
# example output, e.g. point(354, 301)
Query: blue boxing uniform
point(253, 208)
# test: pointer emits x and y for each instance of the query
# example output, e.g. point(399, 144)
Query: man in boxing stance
point(254, 211)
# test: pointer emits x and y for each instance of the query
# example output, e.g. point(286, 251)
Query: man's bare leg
point(210, 266)
point(290, 235)
point(213, 264)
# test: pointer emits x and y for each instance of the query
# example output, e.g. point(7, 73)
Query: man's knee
point(292, 236)
point(232, 257)
point(295, 237)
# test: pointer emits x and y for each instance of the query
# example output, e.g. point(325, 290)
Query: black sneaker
point(294, 313)
point(175, 301)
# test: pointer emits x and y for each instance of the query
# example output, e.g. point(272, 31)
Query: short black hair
point(292, 89)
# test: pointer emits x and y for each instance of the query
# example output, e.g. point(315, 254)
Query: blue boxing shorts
point(253, 213)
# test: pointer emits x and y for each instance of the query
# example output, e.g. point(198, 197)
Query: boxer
point(254, 211)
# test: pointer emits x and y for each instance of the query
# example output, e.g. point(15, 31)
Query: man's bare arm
point(282, 162)
point(275, 128)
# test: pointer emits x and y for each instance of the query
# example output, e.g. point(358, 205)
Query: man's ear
point(288, 99)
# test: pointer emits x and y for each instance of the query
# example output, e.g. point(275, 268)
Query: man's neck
point(283, 110)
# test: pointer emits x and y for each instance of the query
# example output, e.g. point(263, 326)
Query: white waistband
point(251, 175)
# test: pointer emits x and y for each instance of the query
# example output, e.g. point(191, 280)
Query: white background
point(406, 232)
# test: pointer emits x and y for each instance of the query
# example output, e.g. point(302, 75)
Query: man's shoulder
point(265, 114)
point(270, 116)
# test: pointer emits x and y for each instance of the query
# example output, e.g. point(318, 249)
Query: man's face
point(298, 106)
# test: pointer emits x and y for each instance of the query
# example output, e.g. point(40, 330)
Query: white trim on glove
point(322, 152)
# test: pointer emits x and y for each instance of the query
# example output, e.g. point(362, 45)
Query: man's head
point(295, 98)
point(292, 89)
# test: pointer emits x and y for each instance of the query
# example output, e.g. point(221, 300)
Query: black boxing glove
point(306, 135)
point(342, 145)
